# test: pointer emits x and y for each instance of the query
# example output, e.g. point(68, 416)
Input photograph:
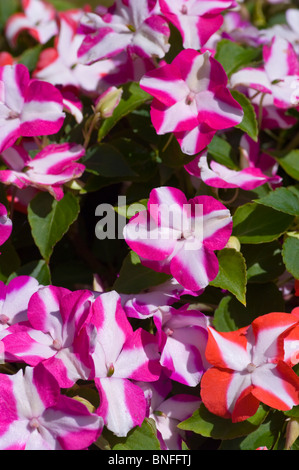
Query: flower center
point(33, 423)
point(56, 344)
point(3, 319)
point(168, 331)
point(110, 370)
point(190, 97)
point(12, 115)
point(251, 367)
point(184, 10)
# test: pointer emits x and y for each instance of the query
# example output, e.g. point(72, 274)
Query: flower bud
point(234, 243)
point(107, 101)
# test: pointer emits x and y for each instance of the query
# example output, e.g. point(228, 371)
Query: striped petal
point(194, 266)
point(5, 225)
point(42, 113)
point(122, 404)
point(276, 385)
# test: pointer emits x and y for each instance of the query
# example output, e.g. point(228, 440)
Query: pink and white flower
point(5, 225)
point(278, 77)
point(27, 107)
point(127, 25)
point(196, 20)
point(257, 168)
point(14, 299)
point(54, 334)
point(168, 412)
point(191, 99)
point(53, 166)
point(120, 356)
point(148, 303)
point(183, 338)
point(179, 237)
point(38, 19)
point(60, 65)
point(35, 416)
point(249, 367)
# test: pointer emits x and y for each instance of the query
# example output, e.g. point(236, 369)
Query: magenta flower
point(183, 338)
point(5, 225)
point(14, 298)
point(134, 27)
point(27, 107)
point(38, 19)
point(120, 356)
point(35, 416)
point(249, 177)
point(249, 367)
point(54, 334)
point(278, 77)
point(168, 412)
point(179, 237)
point(191, 100)
point(53, 166)
point(148, 304)
point(60, 64)
point(196, 20)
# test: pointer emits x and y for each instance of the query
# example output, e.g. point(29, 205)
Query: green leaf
point(249, 122)
point(254, 223)
point(142, 437)
point(222, 152)
point(232, 273)
point(282, 199)
point(30, 57)
point(264, 262)
point(50, 219)
point(134, 277)
point(107, 161)
point(290, 163)
point(133, 97)
point(232, 56)
point(209, 425)
point(7, 8)
point(62, 5)
point(265, 435)
point(37, 269)
point(171, 154)
point(290, 254)
point(9, 260)
point(230, 315)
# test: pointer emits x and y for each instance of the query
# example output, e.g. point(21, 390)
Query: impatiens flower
point(191, 99)
point(14, 298)
point(249, 368)
point(27, 107)
point(53, 166)
point(54, 334)
point(120, 356)
point(278, 77)
point(35, 416)
point(127, 25)
point(38, 19)
point(256, 168)
point(179, 237)
point(183, 338)
point(219, 176)
point(149, 303)
point(5, 225)
point(60, 65)
point(168, 412)
point(196, 20)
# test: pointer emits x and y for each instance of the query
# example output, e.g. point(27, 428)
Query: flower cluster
point(189, 109)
